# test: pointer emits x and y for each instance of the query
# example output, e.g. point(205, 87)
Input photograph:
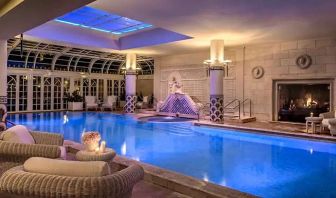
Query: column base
point(130, 103)
point(216, 108)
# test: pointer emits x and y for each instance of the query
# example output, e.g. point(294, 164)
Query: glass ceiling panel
point(99, 20)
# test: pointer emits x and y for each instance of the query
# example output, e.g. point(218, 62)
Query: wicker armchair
point(14, 154)
point(326, 117)
point(3, 117)
point(25, 184)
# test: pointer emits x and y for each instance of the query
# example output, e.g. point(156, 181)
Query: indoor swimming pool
point(260, 164)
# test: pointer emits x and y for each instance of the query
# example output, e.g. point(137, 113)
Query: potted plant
point(75, 101)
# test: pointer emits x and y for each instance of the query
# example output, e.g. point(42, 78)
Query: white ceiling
point(18, 16)
point(238, 22)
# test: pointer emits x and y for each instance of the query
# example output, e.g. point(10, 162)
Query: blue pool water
point(263, 165)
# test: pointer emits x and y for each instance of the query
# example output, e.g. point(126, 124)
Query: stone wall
point(277, 59)
point(193, 74)
point(144, 86)
point(279, 63)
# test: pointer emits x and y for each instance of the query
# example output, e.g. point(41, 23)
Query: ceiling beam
point(26, 61)
point(57, 56)
point(103, 66)
point(70, 54)
point(108, 68)
point(91, 64)
point(75, 66)
point(35, 59)
point(69, 63)
point(15, 44)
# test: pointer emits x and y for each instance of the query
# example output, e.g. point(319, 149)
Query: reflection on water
point(268, 166)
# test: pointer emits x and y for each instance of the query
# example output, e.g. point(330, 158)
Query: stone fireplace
point(298, 99)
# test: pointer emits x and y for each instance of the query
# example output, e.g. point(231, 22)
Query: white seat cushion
point(63, 152)
point(66, 168)
point(107, 105)
point(90, 99)
point(17, 134)
point(325, 122)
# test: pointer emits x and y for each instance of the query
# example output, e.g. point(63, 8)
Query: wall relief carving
point(304, 61)
point(258, 72)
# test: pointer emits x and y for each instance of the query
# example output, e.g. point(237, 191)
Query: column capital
point(217, 67)
point(131, 62)
point(131, 72)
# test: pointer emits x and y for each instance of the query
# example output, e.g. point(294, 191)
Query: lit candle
point(311, 114)
point(102, 146)
point(97, 150)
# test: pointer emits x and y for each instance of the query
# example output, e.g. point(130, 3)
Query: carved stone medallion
point(258, 72)
point(304, 61)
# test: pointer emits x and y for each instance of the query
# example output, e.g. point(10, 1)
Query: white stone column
point(216, 80)
point(72, 85)
point(105, 88)
point(3, 72)
point(130, 81)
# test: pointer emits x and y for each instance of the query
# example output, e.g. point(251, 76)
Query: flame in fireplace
point(309, 100)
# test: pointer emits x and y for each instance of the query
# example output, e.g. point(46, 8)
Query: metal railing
point(241, 105)
point(226, 107)
point(204, 108)
point(247, 100)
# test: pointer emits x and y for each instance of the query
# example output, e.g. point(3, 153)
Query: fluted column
point(216, 80)
point(3, 72)
point(130, 80)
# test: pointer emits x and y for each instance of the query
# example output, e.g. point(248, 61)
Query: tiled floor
point(147, 190)
point(141, 190)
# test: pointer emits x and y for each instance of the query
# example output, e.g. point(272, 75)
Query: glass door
point(37, 93)
point(23, 93)
point(11, 93)
point(57, 93)
point(47, 94)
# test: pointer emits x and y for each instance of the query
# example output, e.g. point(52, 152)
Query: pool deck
point(278, 128)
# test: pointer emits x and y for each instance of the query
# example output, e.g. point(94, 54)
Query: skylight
point(99, 20)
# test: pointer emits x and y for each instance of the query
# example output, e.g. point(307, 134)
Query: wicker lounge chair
point(14, 154)
point(3, 117)
point(27, 184)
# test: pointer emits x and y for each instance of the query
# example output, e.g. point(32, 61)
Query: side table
point(107, 156)
point(314, 122)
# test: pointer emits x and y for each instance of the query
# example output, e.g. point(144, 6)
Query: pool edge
point(181, 183)
point(270, 131)
point(174, 181)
